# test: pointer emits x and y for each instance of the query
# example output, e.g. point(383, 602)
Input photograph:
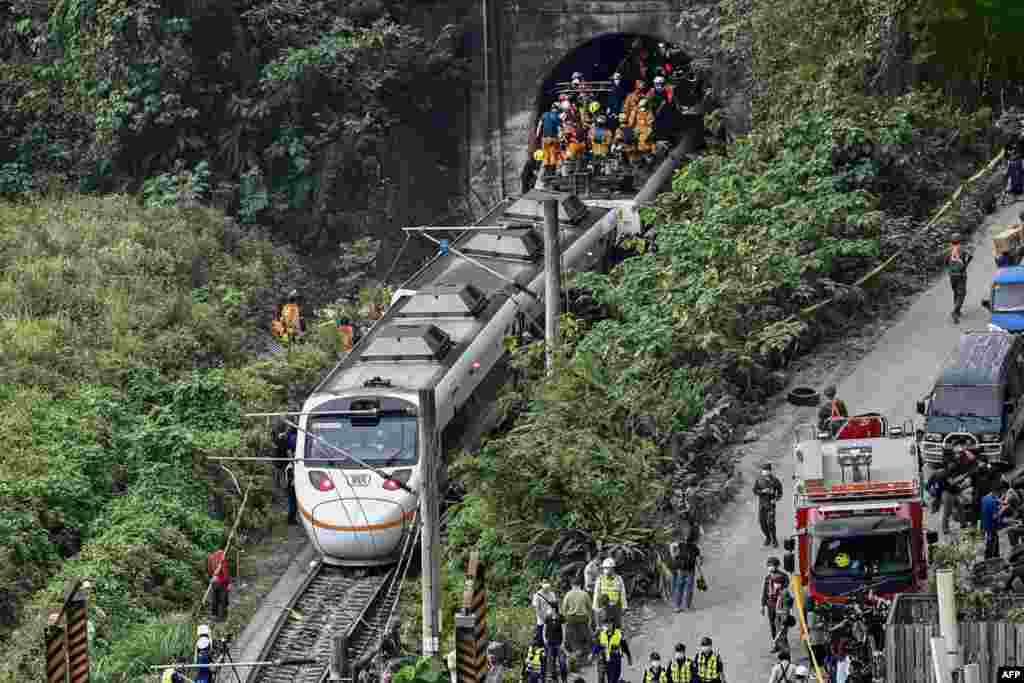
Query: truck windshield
point(385, 441)
point(982, 401)
point(863, 555)
point(1007, 298)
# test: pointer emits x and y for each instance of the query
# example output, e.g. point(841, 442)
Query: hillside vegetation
point(127, 321)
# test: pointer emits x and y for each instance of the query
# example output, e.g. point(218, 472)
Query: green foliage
point(183, 189)
point(426, 670)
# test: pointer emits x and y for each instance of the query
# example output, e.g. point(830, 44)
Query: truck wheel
point(803, 396)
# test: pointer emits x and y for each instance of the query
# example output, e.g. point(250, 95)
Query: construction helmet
point(643, 104)
point(538, 155)
point(609, 563)
point(554, 106)
point(616, 75)
point(602, 120)
point(577, 74)
point(655, 657)
point(622, 118)
point(203, 630)
point(955, 238)
point(801, 671)
point(595, 107)
point(660, 80)
point(705, 641)
point(773, 561)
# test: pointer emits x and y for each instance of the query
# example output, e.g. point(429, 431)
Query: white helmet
point(608, 563)
point(801, 671)
point(203, 630)
point(660, 80)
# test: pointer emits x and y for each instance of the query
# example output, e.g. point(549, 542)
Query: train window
point(388, 440)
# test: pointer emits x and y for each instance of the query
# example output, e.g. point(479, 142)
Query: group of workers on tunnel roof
point(607, 128)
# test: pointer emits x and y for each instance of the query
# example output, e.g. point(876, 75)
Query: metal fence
point(914, 619)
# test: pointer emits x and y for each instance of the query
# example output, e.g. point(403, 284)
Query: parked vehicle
point(859, 511)
point(1007, 300)
point(974, 401)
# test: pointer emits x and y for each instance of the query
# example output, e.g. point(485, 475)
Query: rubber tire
point(804, 396)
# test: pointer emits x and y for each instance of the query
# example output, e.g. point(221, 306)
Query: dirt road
point(896, 373)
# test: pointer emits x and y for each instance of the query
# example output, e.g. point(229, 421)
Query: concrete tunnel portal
point(597, 59)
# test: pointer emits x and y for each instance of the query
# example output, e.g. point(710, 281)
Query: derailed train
point(445, 330)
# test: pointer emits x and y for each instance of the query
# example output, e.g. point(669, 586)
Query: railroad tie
point(56, 650)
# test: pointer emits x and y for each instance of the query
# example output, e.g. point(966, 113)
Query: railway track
point(331, 601)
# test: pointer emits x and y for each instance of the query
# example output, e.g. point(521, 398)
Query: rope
point(408, 236)
point(892, 259)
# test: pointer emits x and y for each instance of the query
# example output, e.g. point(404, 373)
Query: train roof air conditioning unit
point(445, 301)
point(408, 342)
point(519, 244)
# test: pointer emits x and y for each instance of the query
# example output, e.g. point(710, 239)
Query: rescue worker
point(495, 669)
point(643, 123)
point(625, 139)
point(217, 568)
point(681, 669)
point(203, 654)
point(577, 614)
point(575, 145)
point(774, 584)
point(600, 141)
point(831, 411)
point(768, 491)
point(534, 666)
point(554, 643)
point(588, 112)
point(611, 645)
point(617, 96)
point(991, 519)
point(655, 672)
point(784, 616)
point(549, 131)
point(956, 265)
point(781, 671)
point(544, 603)
point(278, 328)
point(292, 318)
point(708, 665)
point(611, 584)
point(816, 627)
point(1004, 260)
point(633, 100)
point(591, 572)
point(390, 647)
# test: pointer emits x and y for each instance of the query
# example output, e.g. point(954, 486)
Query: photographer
point(203, 654)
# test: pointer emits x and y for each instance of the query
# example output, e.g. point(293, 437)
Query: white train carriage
point(444, 331)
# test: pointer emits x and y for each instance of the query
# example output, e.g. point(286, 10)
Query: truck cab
point(859, 509)
point(1006, 302)
point(974, 401)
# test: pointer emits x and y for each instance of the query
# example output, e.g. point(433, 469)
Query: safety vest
point(610, 586)
point(655, 676)
point(611, 646)
point(835, 408)
point(681, 673)
point(534, 659)
point(290, 317)
point(707, 667)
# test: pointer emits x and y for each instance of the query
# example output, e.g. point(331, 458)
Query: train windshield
point(876, 554)
point(387, 440)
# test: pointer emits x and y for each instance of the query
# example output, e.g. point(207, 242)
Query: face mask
point(765, 473)
point(706, 649)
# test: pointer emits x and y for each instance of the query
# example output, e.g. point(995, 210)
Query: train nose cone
point(359, 529)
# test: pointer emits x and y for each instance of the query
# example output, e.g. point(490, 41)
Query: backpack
point(776, 584)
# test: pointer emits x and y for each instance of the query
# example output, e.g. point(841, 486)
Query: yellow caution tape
point(797, 590)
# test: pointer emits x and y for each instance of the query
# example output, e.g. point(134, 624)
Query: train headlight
point(933, 436)
point(321, 481)
point(988, 438)
point(397, 478)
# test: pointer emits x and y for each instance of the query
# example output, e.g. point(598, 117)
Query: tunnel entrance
point(635, 57)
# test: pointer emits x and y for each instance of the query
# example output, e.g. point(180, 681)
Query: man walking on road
point(576, 611)
point(708, 664)
point(956, 265)
point(591, 572)
point(611, 645)
point(544, 603)
point(768, 490)
point(774, 584)
point(991, 520)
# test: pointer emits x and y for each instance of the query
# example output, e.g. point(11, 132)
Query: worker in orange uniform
point(643, 123)
point(625, 138)
point(291, 316)
point(600, 142)
point(633, 99)
point(549, 131)
point(575, 144)
point(217, 567)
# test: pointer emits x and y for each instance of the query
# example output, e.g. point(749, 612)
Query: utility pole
point(430, 513)
point(552, 280)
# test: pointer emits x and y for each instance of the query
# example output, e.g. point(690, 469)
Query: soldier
point(956, 265)
point(768, 490)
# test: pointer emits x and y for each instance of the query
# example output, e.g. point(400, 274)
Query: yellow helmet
point(643, 103)
point(538, 155)
point(594, 107)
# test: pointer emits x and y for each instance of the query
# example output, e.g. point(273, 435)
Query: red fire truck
point(859, 510)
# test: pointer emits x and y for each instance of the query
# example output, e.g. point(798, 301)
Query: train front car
point(353, 515)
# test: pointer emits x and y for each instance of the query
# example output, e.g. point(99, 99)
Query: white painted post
point(947, 617)
point(939, 660)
